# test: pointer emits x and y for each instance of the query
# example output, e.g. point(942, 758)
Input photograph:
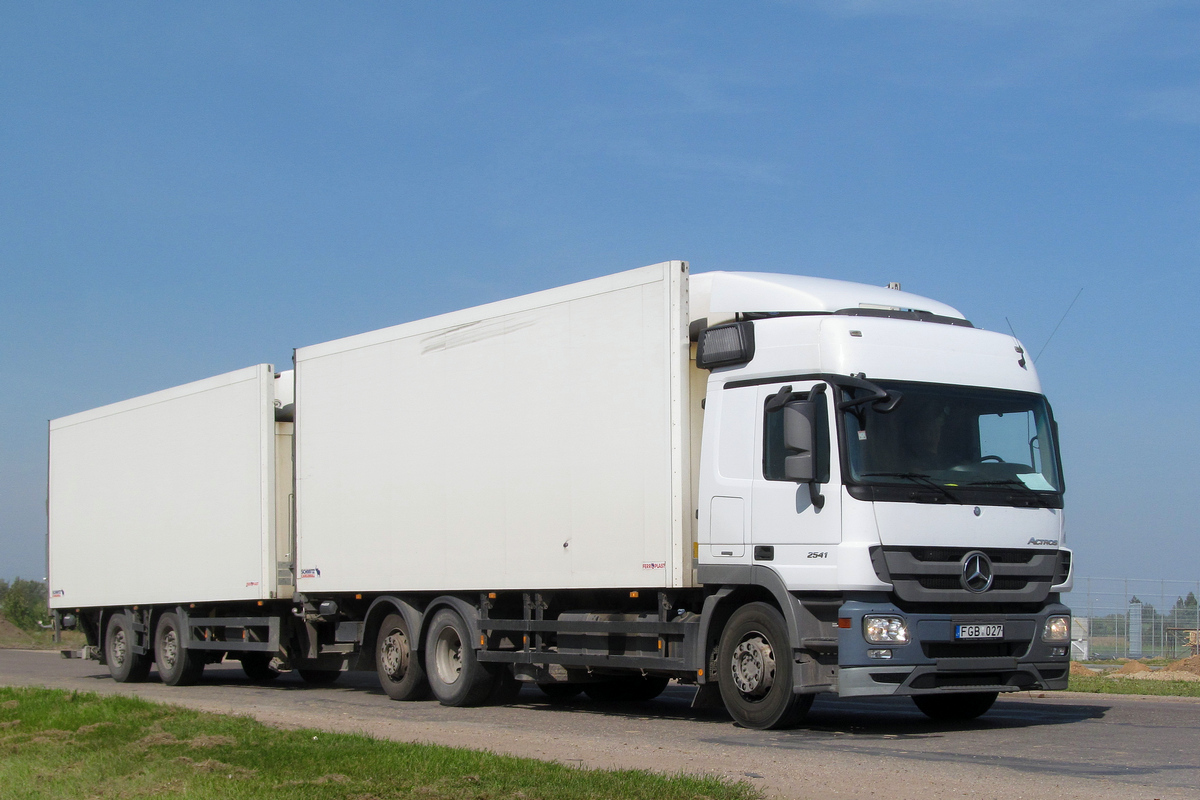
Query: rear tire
point(257, 667)
point(397, 661)
point(955, 707)
point(456, 676)
point(177, 666)
point(124, 665)
point(320, 677)
point(755, 670)
point(629, 689)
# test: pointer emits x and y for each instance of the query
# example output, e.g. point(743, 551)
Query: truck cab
point(894, 472)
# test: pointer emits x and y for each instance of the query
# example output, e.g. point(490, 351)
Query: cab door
point(783, 511)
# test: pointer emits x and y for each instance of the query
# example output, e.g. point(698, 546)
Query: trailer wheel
point(320, 677)
point(955, 707)
point(124, 665)
point(755, 670)
point(629, 689)
point(177, 666)
point(455, 674)
point(401, 673)
point(257, 666)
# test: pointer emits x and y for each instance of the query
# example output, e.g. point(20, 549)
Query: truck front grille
point(934, 574)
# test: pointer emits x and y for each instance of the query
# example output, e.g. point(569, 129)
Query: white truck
point(766, 485)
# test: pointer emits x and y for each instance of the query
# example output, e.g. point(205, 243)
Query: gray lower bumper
point(934, 662)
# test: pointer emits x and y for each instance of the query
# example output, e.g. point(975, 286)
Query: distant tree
point(24, 603)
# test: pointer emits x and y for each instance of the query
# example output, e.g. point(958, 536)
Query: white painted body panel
point(535, 443)
point(829, 550)
point(166, 498)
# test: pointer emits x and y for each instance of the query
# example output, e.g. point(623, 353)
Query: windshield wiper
point(916, 477)
point(1016, 484)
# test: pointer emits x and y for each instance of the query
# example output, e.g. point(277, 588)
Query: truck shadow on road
point(859, 718)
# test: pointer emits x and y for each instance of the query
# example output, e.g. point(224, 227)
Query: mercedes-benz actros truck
point(765, 485)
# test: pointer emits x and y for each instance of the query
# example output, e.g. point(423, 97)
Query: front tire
point(177, 666)
point(456, 676)
point(955, 707)
point(124, 665)
point(755, 670)
point(397, 662)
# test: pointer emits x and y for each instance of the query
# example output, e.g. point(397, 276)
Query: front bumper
point(934, 662)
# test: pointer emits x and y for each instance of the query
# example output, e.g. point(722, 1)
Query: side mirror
point(799, 439)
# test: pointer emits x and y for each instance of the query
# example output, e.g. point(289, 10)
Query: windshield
point(952, 437)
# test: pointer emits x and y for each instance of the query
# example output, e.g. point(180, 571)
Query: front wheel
point(401, 673)
point(124, 665)
point(177, 666)
point(955, 707)
point(755, 670)
point(456, 676)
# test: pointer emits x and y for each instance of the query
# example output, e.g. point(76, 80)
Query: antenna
point(1056, 327)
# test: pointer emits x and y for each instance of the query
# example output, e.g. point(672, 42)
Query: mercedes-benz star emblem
point(977, 572)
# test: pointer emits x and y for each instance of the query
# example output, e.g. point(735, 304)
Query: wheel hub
point(394, 654)
point(448, 656)
point(170, 649)
point(118, 647)
point(753, 666)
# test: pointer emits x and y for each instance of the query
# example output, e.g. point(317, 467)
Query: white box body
point(540, 442)
point(166, 498)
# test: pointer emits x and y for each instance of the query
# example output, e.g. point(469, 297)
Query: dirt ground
point(1185, 669)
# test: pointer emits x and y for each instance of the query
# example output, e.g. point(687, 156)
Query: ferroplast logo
point(310, 573)
point(654, 565)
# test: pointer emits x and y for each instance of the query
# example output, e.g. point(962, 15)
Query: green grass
point(58, 744)
point(1103, 685)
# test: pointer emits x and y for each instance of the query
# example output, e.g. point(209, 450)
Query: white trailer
point(765, 485)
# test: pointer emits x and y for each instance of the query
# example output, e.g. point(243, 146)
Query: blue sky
point(186, 190)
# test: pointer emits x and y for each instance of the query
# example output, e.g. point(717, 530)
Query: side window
point(774, 452)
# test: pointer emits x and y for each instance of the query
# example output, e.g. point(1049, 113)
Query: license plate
point(979, 632)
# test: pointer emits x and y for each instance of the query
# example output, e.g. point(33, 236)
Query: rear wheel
point(401, 673)
point(627, 689)
point(456, 676)
point(177, 666)
point(124, 665)
point(257, 666)
point(755, 670)
point(320, 677)
point(955, 707)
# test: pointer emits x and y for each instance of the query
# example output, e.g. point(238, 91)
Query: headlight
point(885, 630)
point(1058, 629)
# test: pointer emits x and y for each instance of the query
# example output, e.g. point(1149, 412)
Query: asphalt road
point(1061, 746)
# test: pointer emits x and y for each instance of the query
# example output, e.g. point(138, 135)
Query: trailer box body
point(167, 498)
point(535, 443)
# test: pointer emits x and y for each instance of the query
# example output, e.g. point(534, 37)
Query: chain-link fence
point(1131, 618)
